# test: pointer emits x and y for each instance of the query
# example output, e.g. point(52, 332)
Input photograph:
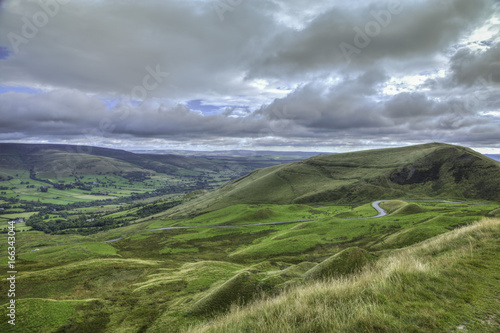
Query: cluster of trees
point(82, 225)
point(64, 186)
point(156, 208)
point(136, 176)
point(34, 177)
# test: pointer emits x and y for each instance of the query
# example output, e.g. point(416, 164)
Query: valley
point(230, 166)
point(402, 239)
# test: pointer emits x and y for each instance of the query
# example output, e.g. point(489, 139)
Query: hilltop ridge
point(433, 170)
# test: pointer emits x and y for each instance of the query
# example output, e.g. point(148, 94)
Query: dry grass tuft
point(356, 303)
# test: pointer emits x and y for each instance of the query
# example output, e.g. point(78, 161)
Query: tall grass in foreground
point(422, 288)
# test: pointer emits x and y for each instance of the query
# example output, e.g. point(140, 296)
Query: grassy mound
point(239, 289)
point(409, 209)
point(298, 270)
point(262, 214)
point(346, 262)
point(360, 211)
point(197, 276)
point(444, 284)
point(410, 236)
point(392, 205)
point(495, 212)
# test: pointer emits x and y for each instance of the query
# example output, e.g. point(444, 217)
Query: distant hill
point(493, 156)
point(240, 153)
point(53, 160)
point(432, 170)
point(49, 160)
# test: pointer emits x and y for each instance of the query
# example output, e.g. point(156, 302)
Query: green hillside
point(66, 160)
point(447, 284)
point(417, 172)
point(168, 280)
point(290, 248)
point(51, 174)
point(53, 160)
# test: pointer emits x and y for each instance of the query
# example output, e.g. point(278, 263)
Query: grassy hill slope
point(424, 171)
point(445, 284)
point(66, 160)
point(167, 280)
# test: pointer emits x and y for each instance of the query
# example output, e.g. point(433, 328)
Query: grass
point(409, 209)
point(439, 171)
point(68, 253)
point(13, 216)
point(439, 285)
point(156, 281)
point(392, 205)
point(248, 214)
point(40, 315)
point(346, 262)
point(240, 288)
point(427, 266)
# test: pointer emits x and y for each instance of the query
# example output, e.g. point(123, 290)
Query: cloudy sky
point(321, 75)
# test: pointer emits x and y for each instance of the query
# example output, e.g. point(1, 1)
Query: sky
point(328, 76)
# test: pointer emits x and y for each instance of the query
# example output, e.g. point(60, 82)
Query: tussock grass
point(423, 287)
point(240, 288)
point(197, 275)
point(346, 262)
point(63, 270)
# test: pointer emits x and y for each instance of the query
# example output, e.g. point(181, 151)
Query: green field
point(167, 280)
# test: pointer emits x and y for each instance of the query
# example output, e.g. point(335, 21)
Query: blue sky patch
point(4, 53)
point(197, 104)
point(26, 90)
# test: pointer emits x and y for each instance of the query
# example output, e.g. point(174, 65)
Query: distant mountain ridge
point(239, 152)
point(432, 170)
point(65, 160)
point(59, 160)
point(495, 157)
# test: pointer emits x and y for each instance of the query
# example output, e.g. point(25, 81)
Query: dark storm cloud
point(63, 112)
point(408, 30)
point(151, 58)
point(105, 46)
point(344, 109)
point(69, 112)
point(343, 106)
point(470, 67)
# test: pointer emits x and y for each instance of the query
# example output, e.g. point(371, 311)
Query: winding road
point(376, 204)
point(380, 210)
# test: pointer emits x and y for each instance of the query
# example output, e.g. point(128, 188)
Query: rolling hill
point(427, 266)
point(65, 160)
point(432, 170)
point(55, 161)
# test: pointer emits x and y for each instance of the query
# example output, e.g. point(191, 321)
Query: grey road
point(381, 213)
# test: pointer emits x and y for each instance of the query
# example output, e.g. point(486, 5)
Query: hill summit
point(427, 171)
